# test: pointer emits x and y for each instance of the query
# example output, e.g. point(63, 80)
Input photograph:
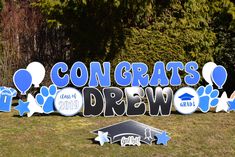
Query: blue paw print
point(46, 98)
point(208, 97)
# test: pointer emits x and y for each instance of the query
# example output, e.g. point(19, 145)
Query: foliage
point(93, 28)
point(1, 5)
point(134, 30)
point(187, 28)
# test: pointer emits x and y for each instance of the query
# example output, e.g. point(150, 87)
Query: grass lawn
point(211, 134)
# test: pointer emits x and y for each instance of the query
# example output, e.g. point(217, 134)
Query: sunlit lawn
point(211, 134)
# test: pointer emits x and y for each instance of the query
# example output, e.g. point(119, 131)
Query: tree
point(145, 30)
point(115, 30)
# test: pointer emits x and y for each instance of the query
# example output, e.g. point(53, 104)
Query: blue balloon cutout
point(22, 80)
point(219, 76)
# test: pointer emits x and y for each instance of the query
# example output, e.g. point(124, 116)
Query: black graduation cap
point(186, 96)
point(130, 128)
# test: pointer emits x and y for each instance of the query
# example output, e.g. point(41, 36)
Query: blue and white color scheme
point(186, 96)
point(131, 133)
point(68, 101)
point(6, 96)
point(46, 98)
point(186, 100)
point(22, 107)
point(162, 138)
point(22, 80)
point(223, 103)
point(208, 97)
point(231, 105)
point(33, 106)
point(111, 101)
point(102, 137)
point(213, 73)
point(37, 72)
point(219, 76)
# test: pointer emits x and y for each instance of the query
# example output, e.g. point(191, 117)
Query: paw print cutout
point(46, 98)
point(208, 97)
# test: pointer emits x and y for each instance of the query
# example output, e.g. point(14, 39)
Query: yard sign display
point(90, 91)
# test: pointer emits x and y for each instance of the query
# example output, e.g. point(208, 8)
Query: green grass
point(211, 134)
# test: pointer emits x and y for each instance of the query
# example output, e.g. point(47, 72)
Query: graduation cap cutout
point(130, 128)
point(186, 96)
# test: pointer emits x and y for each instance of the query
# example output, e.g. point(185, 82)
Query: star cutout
point(33, 106)
point(22, 107)
point(231, 105)
point(222, 104)
point(102, 137)
point(162, 138)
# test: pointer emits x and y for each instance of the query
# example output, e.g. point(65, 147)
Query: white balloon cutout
point(37, 71)
point(207, 71)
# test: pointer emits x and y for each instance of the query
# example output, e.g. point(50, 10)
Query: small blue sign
point(6, 96)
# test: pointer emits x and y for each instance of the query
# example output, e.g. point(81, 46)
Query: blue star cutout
point(22, 107)
point(231, 105)
point(102, 137)
point(162, 138)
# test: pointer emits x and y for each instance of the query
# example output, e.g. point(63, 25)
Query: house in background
point(6, 96)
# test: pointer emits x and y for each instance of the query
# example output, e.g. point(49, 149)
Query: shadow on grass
point(48, 115)
point(174, 112)
point(80, 114)
point(93, 140)
point(97, 143)
point(15, 104)
point(115, 143)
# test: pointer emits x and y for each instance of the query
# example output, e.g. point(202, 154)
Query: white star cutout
point(222, 105)
point(33, 106)
point(102, 137)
